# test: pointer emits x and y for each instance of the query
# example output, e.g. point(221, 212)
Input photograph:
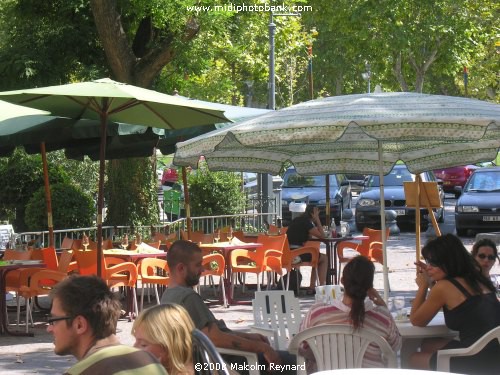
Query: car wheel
point(461, 232)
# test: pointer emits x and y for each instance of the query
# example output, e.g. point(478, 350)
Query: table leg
point(408, 347)
point(330, 273)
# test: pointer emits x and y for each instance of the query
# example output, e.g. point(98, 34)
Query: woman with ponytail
point(361, 306)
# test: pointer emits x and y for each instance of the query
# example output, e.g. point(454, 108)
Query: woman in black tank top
point(452, 280)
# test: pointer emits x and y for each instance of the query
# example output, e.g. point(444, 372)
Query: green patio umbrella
point(364, 134)
point(106, 100)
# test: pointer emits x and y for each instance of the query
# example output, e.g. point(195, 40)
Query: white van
point(6, 231)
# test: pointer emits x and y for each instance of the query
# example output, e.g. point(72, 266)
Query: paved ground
point(34, 355)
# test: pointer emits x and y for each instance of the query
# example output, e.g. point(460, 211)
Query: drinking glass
point(230, 235)
point(399, 304)
point(390, 303)
point(216, 236)
point(125, 241)
point(85, 241)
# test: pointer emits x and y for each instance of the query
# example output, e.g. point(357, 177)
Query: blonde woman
point(165, 331)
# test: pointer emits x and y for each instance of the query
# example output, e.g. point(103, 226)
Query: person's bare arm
point(230, 340)
point(317, 230)
point(424, 307)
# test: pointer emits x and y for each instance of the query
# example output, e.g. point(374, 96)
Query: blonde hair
point(170, 326)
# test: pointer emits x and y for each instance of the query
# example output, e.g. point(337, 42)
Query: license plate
point(491, 218)
point(400, 212)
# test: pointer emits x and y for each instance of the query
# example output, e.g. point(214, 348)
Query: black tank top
point(474, 317)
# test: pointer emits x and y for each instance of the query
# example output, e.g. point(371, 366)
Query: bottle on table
point(333, 228)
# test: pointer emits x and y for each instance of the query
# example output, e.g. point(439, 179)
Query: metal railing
point(249, 222)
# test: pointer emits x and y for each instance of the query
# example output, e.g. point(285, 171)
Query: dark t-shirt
point(298, 231)
point(193, 303)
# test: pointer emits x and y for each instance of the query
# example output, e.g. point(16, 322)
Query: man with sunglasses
point(83, 322)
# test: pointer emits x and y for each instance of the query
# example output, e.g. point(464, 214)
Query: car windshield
point(295, 180)
point(486, 181)
point(395, 178)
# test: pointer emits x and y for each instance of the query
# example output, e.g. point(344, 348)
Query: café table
point(5, 268)
point(225, 248)
point(331, 243)
point(133, 256)
point(413, 336)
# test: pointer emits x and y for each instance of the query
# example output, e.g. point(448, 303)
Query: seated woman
point(468, 300)
point(165, 331)
point(485, 253)
point(299, 231)
point(357, 310)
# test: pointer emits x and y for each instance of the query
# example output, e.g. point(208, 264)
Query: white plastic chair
point(337, 346)
point(444, 356)
point(277, 315)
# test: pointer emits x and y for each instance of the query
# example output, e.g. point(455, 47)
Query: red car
point(454, 176)
point(170, 176)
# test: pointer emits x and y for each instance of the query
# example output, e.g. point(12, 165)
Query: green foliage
point(82, 173)
point(131, 193)
point(71, 208)
point(21, 176)
point(215, 193)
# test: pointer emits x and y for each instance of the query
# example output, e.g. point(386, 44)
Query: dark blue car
point(312, 190)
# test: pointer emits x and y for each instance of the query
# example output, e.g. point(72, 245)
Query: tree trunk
point(398, 73)
point(132, 183)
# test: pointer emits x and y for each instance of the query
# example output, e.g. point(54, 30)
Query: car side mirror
point(458, 190)
point(345, 183)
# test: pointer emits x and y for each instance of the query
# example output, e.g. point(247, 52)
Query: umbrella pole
point(418, 181)
point(186, 202)
point(382, 221)
point(100, 194)
point(327, 193)
point(48, 199)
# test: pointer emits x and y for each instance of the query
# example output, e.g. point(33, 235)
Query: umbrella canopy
point(106, 100)
point(365, 134)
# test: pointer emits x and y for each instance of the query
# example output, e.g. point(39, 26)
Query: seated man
point(83, 322)
point(184, 259)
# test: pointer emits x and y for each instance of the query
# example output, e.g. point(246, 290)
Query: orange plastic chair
point(153, 271)
point(41, 282)
point(215, 265)
point(246, 261)
point(115, 271)
point(370, 248)
point(271, 246)
point(279, 261)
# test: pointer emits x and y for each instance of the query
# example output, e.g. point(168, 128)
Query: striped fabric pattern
point(377, 318)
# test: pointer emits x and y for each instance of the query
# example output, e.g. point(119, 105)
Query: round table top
point(435, 328)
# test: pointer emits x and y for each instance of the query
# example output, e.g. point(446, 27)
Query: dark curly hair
point(357, 278)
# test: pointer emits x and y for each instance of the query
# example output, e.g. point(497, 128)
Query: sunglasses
point(431, 263)
point(484, 256)
point(52, 320)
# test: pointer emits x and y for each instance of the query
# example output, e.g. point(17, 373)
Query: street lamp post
point(314, 33)
point(367, 75)
point(265, 181)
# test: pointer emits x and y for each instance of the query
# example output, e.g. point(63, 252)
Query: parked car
point(356, 181)
point(478, 207)
point(250, 184)
point(368, 204)
point(454, 176)
point(170, 176)
point(312, 190)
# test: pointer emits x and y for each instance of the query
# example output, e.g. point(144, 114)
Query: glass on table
point(399, 304)
point(125, 242)
point(230, 235)
point(217, 236)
